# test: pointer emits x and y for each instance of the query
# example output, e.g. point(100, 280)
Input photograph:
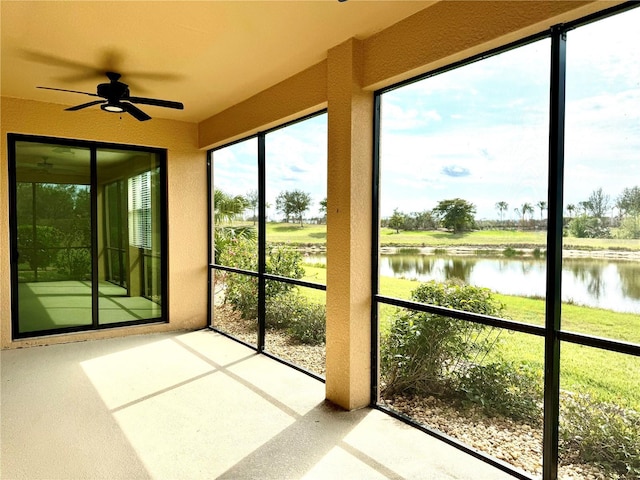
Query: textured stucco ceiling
point(207, 54)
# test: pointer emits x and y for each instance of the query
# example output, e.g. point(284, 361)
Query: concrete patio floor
point(197, 405)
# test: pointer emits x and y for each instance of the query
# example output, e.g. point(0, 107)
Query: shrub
point(309, 325)
point(304, 321)
point(510, 252)
point(537, 253)
point(601, 433)
point(629, 228)
point(226, 235)
point(588, 227)
point(505, 388)
point(241, 291)
point(423, 353)
point(41, 251)
point(75, 262)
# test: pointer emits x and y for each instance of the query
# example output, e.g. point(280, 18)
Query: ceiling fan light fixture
point(112, 107)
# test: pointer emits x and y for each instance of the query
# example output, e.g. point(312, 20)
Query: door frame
point(93, 147)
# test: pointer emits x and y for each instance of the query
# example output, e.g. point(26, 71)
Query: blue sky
point(480, 132)
point(296, 158)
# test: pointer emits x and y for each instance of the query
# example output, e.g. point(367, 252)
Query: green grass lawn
point(605, 375)
point(317, 234)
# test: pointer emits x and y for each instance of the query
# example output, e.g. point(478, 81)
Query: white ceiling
point(208, 55)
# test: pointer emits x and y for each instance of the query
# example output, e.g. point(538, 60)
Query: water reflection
point(610, 284)
point(614, 285)
point(402, 264)
point(630, 279)
point(589, 274)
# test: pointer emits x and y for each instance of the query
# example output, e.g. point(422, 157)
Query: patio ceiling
point(209, 55)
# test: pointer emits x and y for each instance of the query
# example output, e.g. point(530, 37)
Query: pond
point(603, 283)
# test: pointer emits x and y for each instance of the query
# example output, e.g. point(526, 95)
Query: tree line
point(591, 218)
point(291, 204)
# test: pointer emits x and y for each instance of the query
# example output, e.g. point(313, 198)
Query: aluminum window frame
point(261, 274)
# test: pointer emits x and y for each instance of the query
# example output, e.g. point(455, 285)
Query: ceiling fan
point(116, 98)
point(45, 166)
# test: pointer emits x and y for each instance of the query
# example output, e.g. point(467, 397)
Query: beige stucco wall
point(349, 217)
point(187, 209)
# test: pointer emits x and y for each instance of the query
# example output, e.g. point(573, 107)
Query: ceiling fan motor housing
point(113, 92)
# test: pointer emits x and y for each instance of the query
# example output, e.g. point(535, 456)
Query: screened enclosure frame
point(261, 275)
point(95, 224)
point(551, 332)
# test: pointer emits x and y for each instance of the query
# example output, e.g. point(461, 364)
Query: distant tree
point(397, 220)
point(323, 207)
point(584, 207)
point(598, 203)
point(571, 208)
point(293, 204)
point(542, 205)
point(252, 202)
point(629, 204)
point(629, 201)
point(502, 207)
point(421, 221)
point(455, 214)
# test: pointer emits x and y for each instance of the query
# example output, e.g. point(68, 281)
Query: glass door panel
point(129, 236)
point(53, 213)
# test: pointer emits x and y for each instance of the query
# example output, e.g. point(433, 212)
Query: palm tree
point(570, 208)
point(226, 208)
point(524, 209)
point(502, 207)
point(542, 205)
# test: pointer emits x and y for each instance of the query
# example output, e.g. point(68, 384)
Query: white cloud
point(493, 125)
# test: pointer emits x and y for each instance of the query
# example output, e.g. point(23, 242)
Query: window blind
point(139, 196)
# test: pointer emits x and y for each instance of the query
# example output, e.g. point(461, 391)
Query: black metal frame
point(261, 274)
point(93, 147)
point(120, 248)
point(552, 331)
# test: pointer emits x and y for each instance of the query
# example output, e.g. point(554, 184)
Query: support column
point(349, 214)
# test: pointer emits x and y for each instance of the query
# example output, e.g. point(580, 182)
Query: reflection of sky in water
point(596, 284)
point(609, 285)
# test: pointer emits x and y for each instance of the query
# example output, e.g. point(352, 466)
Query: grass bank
point(317, 235)
point(607, 376)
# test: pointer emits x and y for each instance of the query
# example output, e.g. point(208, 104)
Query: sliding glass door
point(53, 212)
point(88, 235)
point(129, 236)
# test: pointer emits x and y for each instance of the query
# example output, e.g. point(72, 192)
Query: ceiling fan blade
point(156, 102)
point(70, 91)
point(135, 111)
point(84, 105)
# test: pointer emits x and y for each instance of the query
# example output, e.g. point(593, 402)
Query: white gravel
point(516, 443)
